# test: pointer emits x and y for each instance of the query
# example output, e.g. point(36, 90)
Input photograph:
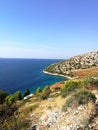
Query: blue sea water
point(20, 74)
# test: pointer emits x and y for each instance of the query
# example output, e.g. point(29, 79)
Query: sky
point(49, 29)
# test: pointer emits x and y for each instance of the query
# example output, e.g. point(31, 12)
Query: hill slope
point(67, 67)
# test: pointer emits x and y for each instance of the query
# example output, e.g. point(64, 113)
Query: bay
point(20, 74)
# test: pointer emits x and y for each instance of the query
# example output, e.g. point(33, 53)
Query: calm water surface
point(20, 74)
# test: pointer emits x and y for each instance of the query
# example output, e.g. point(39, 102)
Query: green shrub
point(46, 88)
point(88, 80)
point(80, 97)
point(17, 96)
point(84, 96)
point(70, 86)
point(38, 91)
point(12, 98)
point(43, 94)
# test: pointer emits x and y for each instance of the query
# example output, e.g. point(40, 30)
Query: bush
point(84, 96)
point(45, 95)
point(12, 98)
point(17, 96)
point(6, 112)
point(81, 97)
point(88, 80)
point(38, 91)
point(70, 86)
point(46, 88)
point(3, 95)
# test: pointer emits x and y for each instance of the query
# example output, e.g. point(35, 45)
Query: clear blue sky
point(48, 28)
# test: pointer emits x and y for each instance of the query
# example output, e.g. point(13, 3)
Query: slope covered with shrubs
point(67, 67)
point(79, 98)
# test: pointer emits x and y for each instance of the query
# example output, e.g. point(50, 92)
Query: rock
point(76, 112)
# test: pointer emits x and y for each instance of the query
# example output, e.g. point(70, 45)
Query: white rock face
point(73, 119)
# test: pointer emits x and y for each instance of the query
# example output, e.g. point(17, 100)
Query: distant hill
point(80, 62)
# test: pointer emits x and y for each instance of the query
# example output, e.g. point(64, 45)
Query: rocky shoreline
point(55, 74)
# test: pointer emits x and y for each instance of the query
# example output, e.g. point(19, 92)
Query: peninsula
point(71, 67)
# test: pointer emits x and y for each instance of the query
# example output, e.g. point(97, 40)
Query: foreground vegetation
point(15, 112)
point(79, 98)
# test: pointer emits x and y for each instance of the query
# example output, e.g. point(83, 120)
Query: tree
point(38, 90)
point(3, 95)
point(46, 88)
point(10, 100)
point(27, 92)
point(17, 96)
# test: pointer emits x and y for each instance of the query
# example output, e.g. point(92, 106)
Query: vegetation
point(70, 86)
point(46, 88)
point(12, 115)
point(38, 91)
point(17, 95)
point(88, 80)
point(11, 121)
point(10, 99)
point(43, 94)
point(6, 112)
point(84, 96)
point(50, 68)
point(27, 92)
point(80, 97)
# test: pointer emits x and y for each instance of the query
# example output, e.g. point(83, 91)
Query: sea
point(20, 74)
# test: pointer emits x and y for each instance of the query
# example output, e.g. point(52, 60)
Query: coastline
point(55, 74)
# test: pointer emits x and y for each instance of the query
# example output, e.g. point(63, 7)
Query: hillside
point(70, 105)
point(69, 66)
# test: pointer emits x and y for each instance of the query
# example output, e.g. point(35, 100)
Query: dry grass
point(44, 105)
point(56, 86)
point(86, 72)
